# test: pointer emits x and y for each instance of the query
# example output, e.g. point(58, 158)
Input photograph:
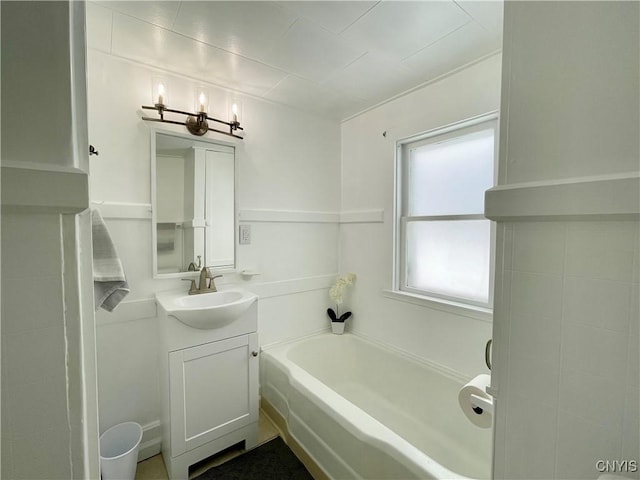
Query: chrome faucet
point(206, 283)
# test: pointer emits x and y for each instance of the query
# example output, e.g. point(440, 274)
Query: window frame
point(401, 219)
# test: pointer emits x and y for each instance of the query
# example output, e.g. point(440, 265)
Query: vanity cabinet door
point(213, 391)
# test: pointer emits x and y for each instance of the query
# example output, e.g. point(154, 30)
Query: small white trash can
point(119, 451)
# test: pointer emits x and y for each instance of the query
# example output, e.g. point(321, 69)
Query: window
point(444, 246)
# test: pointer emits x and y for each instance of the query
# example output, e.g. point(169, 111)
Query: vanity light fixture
point(196, 123)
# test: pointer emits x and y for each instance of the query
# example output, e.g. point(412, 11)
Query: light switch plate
point(245, 235)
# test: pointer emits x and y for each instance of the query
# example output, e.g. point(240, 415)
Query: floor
point(153, 468)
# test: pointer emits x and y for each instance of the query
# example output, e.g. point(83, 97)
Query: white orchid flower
point(336, 292)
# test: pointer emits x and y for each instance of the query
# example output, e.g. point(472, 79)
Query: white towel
point(109, 282)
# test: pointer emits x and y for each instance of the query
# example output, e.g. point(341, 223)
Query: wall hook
point(92, 150)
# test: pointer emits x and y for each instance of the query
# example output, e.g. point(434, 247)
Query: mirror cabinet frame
point(200, 141)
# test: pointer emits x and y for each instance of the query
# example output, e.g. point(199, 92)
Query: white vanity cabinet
point(214, 391)
point(209, 384)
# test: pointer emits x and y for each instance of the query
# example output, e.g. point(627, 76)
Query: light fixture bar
point(196, 123)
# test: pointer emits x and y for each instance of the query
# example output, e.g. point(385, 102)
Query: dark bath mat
point(270, 461)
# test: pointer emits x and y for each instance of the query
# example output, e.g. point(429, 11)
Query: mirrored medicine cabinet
point(193, 204)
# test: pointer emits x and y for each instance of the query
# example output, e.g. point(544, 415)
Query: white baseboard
point(151, 443)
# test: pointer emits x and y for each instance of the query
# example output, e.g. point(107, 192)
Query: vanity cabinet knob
point(254, 354)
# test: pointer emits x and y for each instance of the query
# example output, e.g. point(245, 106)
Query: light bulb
point(234, 110)
point(202, 103)
point(161, 93)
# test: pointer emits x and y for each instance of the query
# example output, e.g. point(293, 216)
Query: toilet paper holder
point(481, 404)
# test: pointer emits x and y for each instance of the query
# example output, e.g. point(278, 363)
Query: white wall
point(49, 406)
point(366, 248)
point(55, 143)
point(289, 161)
point(566, 324)
point(34, 403)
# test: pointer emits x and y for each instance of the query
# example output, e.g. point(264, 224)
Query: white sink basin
point(206, 311)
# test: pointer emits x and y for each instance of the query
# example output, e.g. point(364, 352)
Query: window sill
point(471, 311)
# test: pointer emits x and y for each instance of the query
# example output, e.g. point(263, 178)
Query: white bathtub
point(363, 411)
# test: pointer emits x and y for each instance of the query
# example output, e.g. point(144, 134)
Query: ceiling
point(334, 58)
